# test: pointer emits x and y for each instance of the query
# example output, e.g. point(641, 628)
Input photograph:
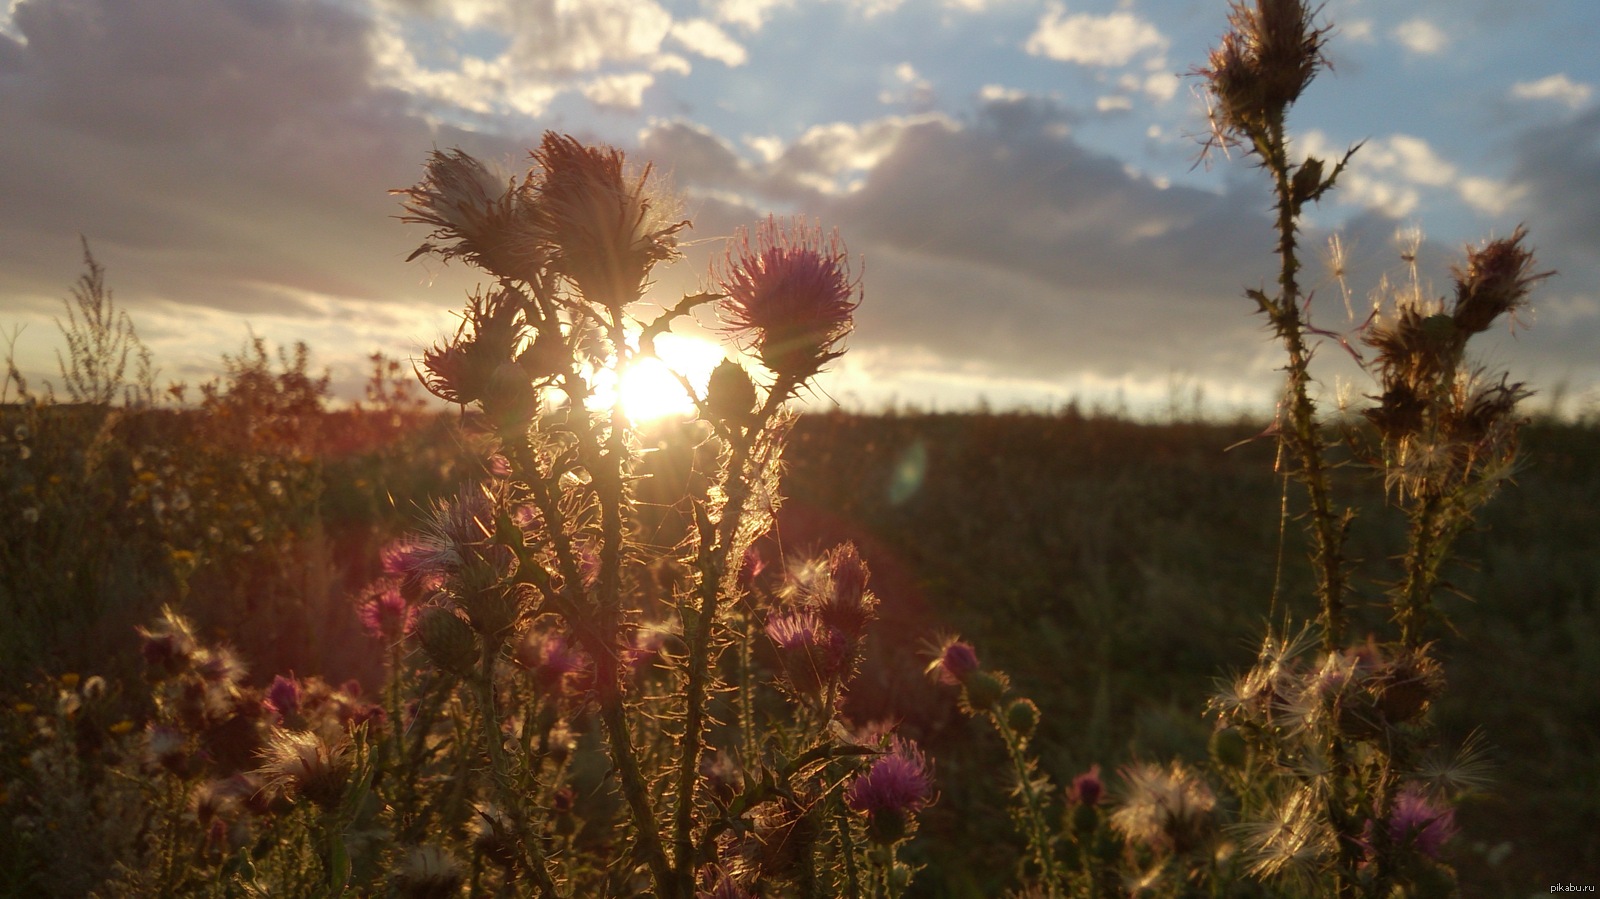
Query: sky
point(1019, 183)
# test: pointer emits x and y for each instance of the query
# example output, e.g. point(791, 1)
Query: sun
point(651, 389)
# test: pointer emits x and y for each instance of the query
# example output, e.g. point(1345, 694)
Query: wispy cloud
point(1558, 88)
point(1109, 40)
point(1421, 36)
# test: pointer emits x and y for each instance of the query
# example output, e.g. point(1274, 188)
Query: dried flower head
point(1495, 281)
point(1164, 808)
point(429, 872)
point(477, 215)
point(843, 603)
point(301, 763)
point(283, 696)
point(605, 229)
point(1262, 65)
point(788, 293)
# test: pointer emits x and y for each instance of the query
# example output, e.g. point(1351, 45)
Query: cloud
point(624, 91)
point(1421, 36)
point(702, 36)
point(1110, 40)
point(748, 15)
point(1389, 174)
point(1557, 88)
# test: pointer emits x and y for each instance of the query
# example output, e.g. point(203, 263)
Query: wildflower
point(1087, 787)
point(844, 604)
point(283, 697)
point(604, 230)
point(788, 293)
point(1495, 281)
point(384, 611)
point(1165, 808)
point(899, 783)
point(1417, 822)
point(955, 663)
point(1262, 65)
point(481, 217)
point(730, 394)
point(169, 646)
point(302, 763)
point(813, 654)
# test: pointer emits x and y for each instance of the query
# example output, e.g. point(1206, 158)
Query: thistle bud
point(1228, 747)
point(1022, 716)
point(448, 641)
point(511, 398)
point(730, 394)
point(983, 691)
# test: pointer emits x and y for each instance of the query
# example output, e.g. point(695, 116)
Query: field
point(1114, 569)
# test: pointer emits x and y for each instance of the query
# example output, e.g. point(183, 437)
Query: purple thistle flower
point(845, 604)
point(789, 294)
point(1087, 787)
point(551, 660)
point(1417, 821)
point(384, 611)
point(956, 662)
point(899, 782)
point(283, 697)
point(813, 653)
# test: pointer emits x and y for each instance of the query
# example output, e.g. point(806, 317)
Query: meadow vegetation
point(530, 647)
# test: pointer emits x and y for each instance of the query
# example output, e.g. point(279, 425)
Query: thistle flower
point(165, 747)
point(898, 784)
point(844, 603)
point(429, 872)
point(1495, 281)
point(955, 662)
point(1087, 788)
point(477, 215)
point(301, 763)
point(1262, 65)
point(384, 611)
point(551, 660)
point(1417, 822)
point(813, 654)
point(283, 696)
point(788, 294)
point(604, 233)
point(168, 646)
point(1164, 808)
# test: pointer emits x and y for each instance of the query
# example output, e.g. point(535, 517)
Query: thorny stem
point(1038, 829)
point(714, 565)
point(1327, 528)
point(600, 639)
point(1421, 572)
point(500, 771)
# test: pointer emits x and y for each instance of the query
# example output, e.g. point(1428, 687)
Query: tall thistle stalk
point(1326, 749)
point(1267, 59)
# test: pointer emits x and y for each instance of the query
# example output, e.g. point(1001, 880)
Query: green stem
point(1033, 805)
point(500, 773)
point(1302, 433)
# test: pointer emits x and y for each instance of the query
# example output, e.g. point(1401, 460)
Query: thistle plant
point(1327, 776)
point(1331, 767)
